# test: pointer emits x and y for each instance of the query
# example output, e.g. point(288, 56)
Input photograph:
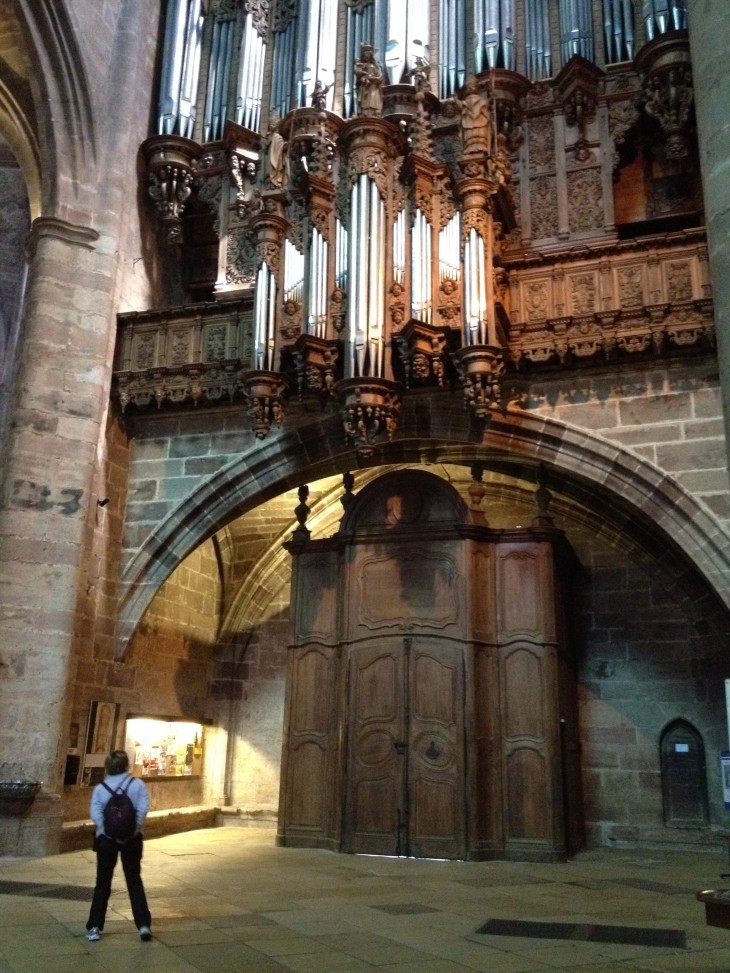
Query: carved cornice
point(654, 331)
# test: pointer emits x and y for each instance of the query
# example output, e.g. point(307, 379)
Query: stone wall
point(644, 657)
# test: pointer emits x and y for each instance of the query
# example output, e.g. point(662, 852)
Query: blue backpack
point(120, 816)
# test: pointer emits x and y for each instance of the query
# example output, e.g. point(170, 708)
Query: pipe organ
point(376, 172)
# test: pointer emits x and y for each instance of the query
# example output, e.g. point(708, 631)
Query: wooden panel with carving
point(309, 757)
point(437, 819)
point(481, 612)
point(375, 799)
point(534, 820)
point(525, 598)
point(406, 587)
point(316, 596)
point(484, 746)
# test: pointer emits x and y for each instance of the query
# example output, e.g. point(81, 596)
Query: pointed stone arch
point(46, 81)
point(593, 471)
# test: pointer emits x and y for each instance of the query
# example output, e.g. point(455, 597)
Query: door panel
point(375, 767)
point(406, 767)
point(437, 826)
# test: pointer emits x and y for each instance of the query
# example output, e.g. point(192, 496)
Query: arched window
point(684, 779)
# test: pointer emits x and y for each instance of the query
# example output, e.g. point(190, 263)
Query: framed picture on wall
point(101, 734)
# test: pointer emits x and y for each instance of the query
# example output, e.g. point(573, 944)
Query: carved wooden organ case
point(430, 705)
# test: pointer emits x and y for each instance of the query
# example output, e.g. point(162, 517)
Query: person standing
point(108, 850)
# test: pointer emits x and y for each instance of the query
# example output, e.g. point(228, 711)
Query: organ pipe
point(366, 276)
point(576, 29)
point(265, 319)
point(251, 76)
point(449, 256)
point(663, 15)
point(219, 69)
point(180, 67)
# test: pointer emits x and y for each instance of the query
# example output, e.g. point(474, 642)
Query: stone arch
point(46, 81)
point(20, 137)
point(593, 471)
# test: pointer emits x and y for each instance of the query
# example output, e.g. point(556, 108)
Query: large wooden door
point(405, 767)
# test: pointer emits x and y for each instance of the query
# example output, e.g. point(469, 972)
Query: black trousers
point(107, 852)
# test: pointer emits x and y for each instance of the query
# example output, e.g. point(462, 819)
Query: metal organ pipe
point(576, 29)
point(399, 248)
point(340, 256)
point(180, 68)
point(219, 69)
point(449, 256)
point(421, 292)
point(251, 76)
point(366, 281)
point(416, 268)
point(317, 317)
point(315, 50)
point(191, 70)
point(283, 68)
point(371, 358)
point(175, 41)
point(293, 273)
point(475, 291)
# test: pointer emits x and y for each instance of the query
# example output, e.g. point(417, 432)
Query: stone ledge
point(233, 817)
point(79, 835)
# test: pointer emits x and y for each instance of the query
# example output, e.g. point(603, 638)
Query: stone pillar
point(709, 33)
point(48, 471)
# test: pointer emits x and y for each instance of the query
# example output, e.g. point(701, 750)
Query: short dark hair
point(117, 762)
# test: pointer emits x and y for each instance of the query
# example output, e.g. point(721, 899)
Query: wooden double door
point(405, 768)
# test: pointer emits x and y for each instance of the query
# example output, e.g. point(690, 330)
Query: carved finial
point(543, 498)
point(348, 482)
point(301, 512)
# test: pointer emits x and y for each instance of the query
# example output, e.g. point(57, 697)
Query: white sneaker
point(93, 934)
point(144, 934)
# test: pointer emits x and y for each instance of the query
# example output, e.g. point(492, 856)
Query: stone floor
point(227, 900)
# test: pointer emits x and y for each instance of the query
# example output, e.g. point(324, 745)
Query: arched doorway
point(684, 778)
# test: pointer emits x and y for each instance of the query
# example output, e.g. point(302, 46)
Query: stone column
point(48, 472)
point(709, 33)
